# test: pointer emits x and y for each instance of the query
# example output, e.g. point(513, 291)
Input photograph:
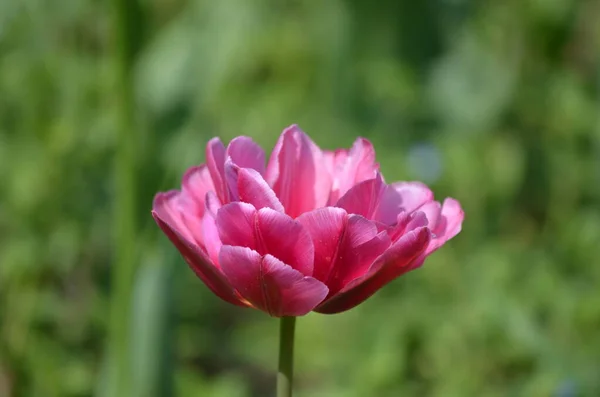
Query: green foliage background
point(491, 102)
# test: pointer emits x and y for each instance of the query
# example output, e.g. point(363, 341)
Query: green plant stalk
point(285, 375)
point(125, 22)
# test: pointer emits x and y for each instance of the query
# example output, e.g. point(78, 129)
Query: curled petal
point(397, 260)
point(269, 284)
point(246, 153)
point(296, 171)
point(449, 224)
point(254, 189)
point(200, 264)
point(407, 222)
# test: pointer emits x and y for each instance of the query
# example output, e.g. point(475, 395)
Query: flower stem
point(127, 41)
point(285, 376)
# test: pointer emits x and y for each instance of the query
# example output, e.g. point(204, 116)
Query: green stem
point(126, 20)
point(285, 376)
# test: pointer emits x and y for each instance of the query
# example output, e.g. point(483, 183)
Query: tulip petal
point(269, 284)
point(296, 173)
point(200, 264)
point(210, 237)
point(432, 211)
point(374, 200)
point(449, 224)
point(345, 246)
point(267, 232)
point(235, 223)
point(397, 260)
point(255, 190)
point(334, 162)
point(230, 175)
point(413, 194)
point(407, 222)
point(326, 227)
point(168, 207)
point(215, 161)
point(246, 153)
point(285, 239)
point(195, 184)
point(358, 165)
point(360, 246)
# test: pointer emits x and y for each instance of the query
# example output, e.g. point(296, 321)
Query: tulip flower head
point(309, 230)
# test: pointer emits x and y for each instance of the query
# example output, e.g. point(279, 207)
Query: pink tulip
point(313, 230)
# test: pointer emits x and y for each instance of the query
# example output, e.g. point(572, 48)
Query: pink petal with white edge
point(246, 153)
point(297, 173)
point(397, 260)
point(269, 284)
point(267, 232)
point(200, 264)
point(255, 190)
point(449, 224)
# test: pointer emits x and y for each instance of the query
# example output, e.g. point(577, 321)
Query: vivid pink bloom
point(313, 230)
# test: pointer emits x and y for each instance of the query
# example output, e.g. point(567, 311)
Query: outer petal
point(195, 184)
point(254, 189)
point(413, 194)
point(269, 284)
point(200, 264)
point(345, 246)
point(448, 226)
point(297, 173)
point(168, 207)
point(246, 154)
point(358, 165)
point(392, 264)
point(267, 232)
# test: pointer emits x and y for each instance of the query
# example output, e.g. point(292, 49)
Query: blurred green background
point(495, 103)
